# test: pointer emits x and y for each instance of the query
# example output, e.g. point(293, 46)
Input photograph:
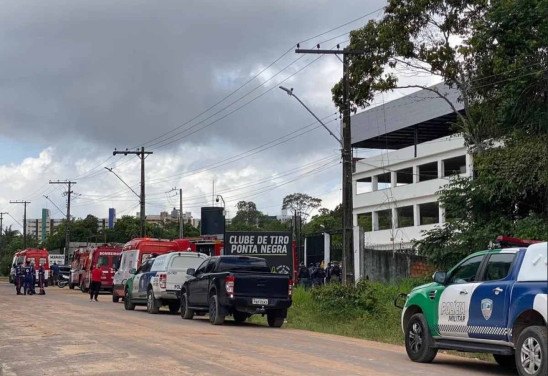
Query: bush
point(346, 299)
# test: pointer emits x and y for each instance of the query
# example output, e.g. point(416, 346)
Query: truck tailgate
point(262, 285)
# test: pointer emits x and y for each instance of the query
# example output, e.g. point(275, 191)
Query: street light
point(224, 216)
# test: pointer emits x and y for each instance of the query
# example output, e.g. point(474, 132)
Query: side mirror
point(440, 277)
point(132, 271)
point(191, 271)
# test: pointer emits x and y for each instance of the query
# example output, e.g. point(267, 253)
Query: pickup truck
point(239, 286)
point(159, 280)
point(492, 301)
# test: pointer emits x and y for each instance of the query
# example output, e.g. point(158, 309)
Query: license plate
point(259, 301)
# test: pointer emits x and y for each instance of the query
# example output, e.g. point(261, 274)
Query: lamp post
point(219, 197)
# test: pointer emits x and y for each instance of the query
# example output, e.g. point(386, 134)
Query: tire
point(115, 298)
point(152, 304)
point(418, 342)
point(216, 316)
point(128, 305)
point(174, 307)
point(186, 313)
point(274, 319)
point(531, 351)
point(240, 317)
point(71, 286)
point(83, 287)
point(507, 362)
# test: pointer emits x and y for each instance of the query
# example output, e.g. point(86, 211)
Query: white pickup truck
point(158, 282)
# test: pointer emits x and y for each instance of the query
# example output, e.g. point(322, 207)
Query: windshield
point(182, 262)
point(243, 264)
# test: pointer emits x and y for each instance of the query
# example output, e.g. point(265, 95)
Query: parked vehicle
point(78, 266)
point(134, 254)
point(36, 257)
point(239, 286)
point(63, 280)
point(159, 282)
point(104, 257)
point(492, 301)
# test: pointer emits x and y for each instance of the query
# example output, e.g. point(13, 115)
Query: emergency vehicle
point(36, 257)
point(134, 254)
point(209, 245)
point(105, 257)
point(493, 301)
point(77, 266)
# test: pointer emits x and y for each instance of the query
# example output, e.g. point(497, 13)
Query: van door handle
point(497, 290)
point(463, 292)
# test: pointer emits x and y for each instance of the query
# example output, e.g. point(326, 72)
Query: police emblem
point(486, 308)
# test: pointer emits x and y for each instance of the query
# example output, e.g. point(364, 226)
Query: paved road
point(63, 333)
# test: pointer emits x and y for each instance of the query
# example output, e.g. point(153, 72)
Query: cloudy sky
point(195, 82)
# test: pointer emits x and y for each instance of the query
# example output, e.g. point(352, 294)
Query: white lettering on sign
point(236, 248)
point(270, 248)
point(109, 253)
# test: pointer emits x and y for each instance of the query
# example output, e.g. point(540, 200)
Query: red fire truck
point(104, 257)
point(36, 257)
point(209, 245)
point(77, 266)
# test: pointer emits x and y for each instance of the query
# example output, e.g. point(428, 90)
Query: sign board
point(59, 259)
point(275, 247)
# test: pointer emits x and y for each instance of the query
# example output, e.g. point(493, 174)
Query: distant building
point(165, 217)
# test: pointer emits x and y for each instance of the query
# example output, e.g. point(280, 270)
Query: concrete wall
point(387, 266)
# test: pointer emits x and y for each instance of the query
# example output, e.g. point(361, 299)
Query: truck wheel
point(507, 362)
point(216, 316)
point(418, 342)
point(240, 317)
point(275, 320)
point(174, 307)
point(186, 313)
point(128, 305)
point(531, 351)
point(115, 297)
point(153, 305)
point(71, 286)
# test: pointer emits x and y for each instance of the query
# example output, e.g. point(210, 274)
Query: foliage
point(348, 299)
point(10, 242)
point(300, 203)
point(326, 220)
point(248, 218)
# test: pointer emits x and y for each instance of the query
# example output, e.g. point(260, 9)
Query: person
point(336, 273)
point(18, 272)
point(320, 275)
point(28, 272)
point(328, 272)
point(55, 272)
point(41, 279)
point(95, 285)
point(304, 275)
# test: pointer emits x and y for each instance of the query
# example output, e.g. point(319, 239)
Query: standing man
point(304, 275)
point(41, 279)
point(28, 273)
point(55, 272)
point(18, 270)
point(95, 284)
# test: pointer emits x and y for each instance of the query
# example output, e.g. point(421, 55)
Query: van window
point(185, 262)
point(102, 261)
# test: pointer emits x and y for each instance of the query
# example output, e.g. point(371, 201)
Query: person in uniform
point(28, 272)
point(18, 277)
point(304, 275)
point(41, 279)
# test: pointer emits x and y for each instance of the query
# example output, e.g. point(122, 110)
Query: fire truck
point(209, 245)
point(104, 257)
point(36, 257)
point(77, 266)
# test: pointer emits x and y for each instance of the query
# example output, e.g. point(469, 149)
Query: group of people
point(316, 274)
point(25, 277)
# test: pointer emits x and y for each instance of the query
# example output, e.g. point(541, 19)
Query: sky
point(195, 82)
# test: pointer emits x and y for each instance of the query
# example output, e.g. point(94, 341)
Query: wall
point(387, 266)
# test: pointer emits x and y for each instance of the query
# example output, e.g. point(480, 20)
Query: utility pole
point(1, 221)
point(347, 222)
point(181, 219)
point(69, 192)
point(142, 154)
point(25, 203)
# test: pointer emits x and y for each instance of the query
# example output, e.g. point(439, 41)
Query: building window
point(405, 216)
point(404, 176)
point(383, 180)
point(454, 166)
point(385, 219)
point(428, 171)
point(429, 213)
point(363, 185)
point(365, 221)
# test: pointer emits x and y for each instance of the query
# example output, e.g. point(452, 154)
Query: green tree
point(301, 204)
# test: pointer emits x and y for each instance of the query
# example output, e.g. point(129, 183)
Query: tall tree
point(301, 204)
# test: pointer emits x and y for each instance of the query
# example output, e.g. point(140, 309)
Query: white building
point(395, 192)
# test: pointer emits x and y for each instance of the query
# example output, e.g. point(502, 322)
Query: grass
point(365, 312)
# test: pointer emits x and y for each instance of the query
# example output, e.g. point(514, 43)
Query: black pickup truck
point(236, 285)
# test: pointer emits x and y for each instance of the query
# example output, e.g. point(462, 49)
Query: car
point(239, 286)
point(493, 301)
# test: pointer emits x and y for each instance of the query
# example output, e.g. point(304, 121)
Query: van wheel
point(531, 351)
point(152, 304)
point(186, 313)
point(115, 298)
point(128, 305)
point(274, 319)
point(418, 342)
point(216, 316)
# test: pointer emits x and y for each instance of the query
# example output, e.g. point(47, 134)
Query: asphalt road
point(62, 333)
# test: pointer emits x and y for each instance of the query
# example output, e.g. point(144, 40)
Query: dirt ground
point(62, 333)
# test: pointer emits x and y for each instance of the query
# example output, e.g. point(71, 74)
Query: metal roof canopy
point(393, 125)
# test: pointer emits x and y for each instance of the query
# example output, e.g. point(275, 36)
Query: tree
point(248, 218)
point(301, 204)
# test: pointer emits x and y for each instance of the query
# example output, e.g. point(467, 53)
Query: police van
point(492, 301)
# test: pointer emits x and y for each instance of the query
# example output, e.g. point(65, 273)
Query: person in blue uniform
point(41, 279)
point(18, 280)
point(28, 272)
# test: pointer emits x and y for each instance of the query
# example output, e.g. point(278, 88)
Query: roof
point(392, 125)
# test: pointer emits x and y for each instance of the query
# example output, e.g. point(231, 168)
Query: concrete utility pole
point(69, 192)
point(1, 222)
point(347, 225)
point(25, 203)
point(181, 219)
point(142, 154)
